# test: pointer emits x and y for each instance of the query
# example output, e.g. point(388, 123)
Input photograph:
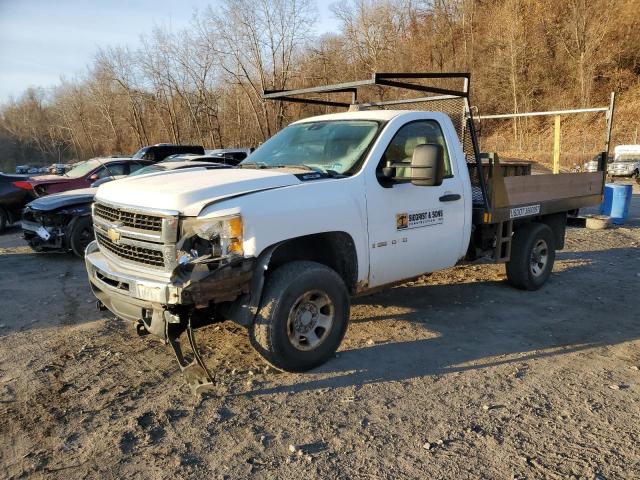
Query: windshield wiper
point(300, 166)
point(327, 171)
point(316, 168)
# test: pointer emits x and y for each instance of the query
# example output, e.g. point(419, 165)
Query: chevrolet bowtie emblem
point(113, 235)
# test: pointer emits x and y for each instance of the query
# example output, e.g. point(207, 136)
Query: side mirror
point(427, 165)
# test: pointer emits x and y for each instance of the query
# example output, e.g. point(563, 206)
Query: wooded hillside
point(203, 85)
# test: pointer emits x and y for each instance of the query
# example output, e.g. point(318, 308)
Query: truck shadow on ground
point(472, 326)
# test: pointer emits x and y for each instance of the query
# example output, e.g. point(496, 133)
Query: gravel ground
point(456, 375)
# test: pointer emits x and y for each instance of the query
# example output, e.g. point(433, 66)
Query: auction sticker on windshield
point(524, 211)
point(426, 218)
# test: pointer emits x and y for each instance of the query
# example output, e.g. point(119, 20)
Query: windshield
point(148, 169)
point(140, 153)
point(629, 157)
point(326, 146)
point(82, 168)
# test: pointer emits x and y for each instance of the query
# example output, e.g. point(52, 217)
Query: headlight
point(215, 237)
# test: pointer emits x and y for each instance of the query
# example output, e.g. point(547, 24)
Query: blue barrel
point(617, 199)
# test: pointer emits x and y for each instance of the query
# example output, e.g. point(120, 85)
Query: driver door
point(413, 229)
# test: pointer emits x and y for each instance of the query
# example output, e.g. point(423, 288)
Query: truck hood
point(49, 179)
point(189, 191)
point(64, 199)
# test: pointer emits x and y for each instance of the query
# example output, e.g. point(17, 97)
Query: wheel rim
point(539, 258)
point(310, 320)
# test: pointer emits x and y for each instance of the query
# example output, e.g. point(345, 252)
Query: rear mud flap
point(195, 371)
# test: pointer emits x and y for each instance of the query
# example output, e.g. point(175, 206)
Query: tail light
point(24, 185)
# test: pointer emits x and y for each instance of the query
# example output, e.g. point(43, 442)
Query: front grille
point(145, 256)
point(140, 221)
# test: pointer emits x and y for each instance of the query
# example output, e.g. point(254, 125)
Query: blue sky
point(40, 40)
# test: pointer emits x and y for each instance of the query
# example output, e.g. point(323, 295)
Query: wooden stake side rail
point(531, 195)
point(541, 188)
point(516, 196)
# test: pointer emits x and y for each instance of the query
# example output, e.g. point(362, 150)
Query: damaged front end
point(206, 273)
point(47, 222)
point(211, 262)
point(45, 230)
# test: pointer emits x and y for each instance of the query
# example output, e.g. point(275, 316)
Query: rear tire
point(304, 316)
point(81, 235)
point(533, 253)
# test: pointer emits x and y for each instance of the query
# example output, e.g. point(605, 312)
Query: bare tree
point(256, 42)
point(117, 64)
point(586, 23)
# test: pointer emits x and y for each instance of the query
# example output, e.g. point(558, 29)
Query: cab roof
point(379, 115)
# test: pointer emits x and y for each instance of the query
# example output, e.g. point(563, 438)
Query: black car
point(62, 221)
point(12, 199)
point(159, 152)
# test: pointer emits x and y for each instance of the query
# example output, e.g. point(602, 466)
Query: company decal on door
point(427, 218)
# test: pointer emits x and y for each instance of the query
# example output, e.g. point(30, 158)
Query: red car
point(82, 175)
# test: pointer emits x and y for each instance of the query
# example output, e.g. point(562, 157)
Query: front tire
point(533, 253)
point(81, 235)
point(304, 316)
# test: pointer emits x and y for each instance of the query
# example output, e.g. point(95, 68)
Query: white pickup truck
point(626, 161)
point(330, 207)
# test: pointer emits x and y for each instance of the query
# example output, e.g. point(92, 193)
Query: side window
point(101, 173)
point(112, 170)
point(151, 155)
point(400, 149)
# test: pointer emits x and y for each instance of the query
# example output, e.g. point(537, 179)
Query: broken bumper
point(29, 226)
point(33, 229)
point(134, 297)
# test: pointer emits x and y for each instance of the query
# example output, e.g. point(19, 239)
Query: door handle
point(450, 197)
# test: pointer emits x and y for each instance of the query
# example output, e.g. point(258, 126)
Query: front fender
point(313, 207)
